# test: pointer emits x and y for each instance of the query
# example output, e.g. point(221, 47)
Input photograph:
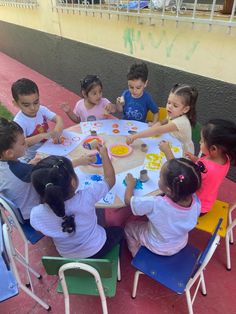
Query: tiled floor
point(151, 297)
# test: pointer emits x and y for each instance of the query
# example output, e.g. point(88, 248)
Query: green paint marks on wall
point(169, 47)
point(155, 43)
point(191, 51)
point(132, 40)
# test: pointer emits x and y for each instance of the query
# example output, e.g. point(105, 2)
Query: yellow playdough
point(119, 150)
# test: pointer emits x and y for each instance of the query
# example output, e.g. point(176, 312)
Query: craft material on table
point(120, 150)
point(70, 141)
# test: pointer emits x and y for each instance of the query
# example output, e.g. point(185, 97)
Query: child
point(170, 217)
point(15, 183)
point(93, 106)
point(33, 117)
point(67, 214)
point(218, 145)
point(135, 102)
point(181, 116)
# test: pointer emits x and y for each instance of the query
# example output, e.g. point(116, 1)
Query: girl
point(93, 106)
point(68, 215)
point(218, 144)
point(170, 216)
point(181, 116)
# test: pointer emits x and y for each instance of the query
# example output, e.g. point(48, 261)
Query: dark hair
point(190, 95)
point(23, 86)
point(9, 130)
point(89, 82)
point(221, 133)
point(138, 71)
point(183, 177)
point(51, 178)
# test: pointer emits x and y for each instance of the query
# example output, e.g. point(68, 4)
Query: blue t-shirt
point(137, 108)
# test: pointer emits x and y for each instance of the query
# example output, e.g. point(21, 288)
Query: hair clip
point(48, 184)
point(181, 178)
point(201, 167)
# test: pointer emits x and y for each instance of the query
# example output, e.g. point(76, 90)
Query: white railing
point(153, 10)
point(19, 3)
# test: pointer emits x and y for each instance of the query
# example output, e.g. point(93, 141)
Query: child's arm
point(109, 108)
point(120, 101)
point(109, 172)
point(37, 138)
point(129, 192)
point(156, 129)
point(154, 120)
point(56, 132)
point(164, 146)
point(191, 157)
point(67, 109)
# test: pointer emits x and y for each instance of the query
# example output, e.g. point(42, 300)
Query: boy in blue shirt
point(135, 102)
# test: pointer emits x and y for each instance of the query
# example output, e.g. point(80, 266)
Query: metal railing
point(19, 3)
point(192, 11)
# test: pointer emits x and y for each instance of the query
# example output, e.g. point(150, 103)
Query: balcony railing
point(19, 3)
point(192, 11)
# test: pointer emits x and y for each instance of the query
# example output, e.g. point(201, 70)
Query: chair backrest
point(161, 115)
point(9, 209)
point(196, 136)
point(207, 253)
point(80, 281)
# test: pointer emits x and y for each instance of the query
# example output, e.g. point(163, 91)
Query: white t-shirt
point(168, 223)
point(33, 126)
point(88, 238)
point(184, 133)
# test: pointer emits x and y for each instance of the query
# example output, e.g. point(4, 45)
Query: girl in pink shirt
point(218, 146)
point(92, 106)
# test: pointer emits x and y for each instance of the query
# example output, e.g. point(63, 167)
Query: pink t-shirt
point(98, 110)
point(211, 181)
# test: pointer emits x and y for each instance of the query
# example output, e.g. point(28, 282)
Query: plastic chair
point(207, 222)
point(178, 272)
point(196, 137)
point(8, 283)
point(85, 276)
point(161, 115)
point(13, 258)
point(12, 217)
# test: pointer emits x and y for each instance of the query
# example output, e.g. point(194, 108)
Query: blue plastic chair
point(8, 283)
point(11, 215)
point(177, 272)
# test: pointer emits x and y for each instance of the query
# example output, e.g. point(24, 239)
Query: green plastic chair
point(196, 136)
point(85, 276)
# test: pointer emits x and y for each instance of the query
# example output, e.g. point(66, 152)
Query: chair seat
point(208, 221)
point(171, 271)
point(8, 283)
point(31, 234)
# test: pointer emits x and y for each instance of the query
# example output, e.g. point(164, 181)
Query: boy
point(15, 175)
point(33, 117)
point(135, 102)
point(15, 179)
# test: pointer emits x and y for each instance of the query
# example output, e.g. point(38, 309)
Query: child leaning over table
point(93, 106)
point(67, 214)
point(15, 182)
point(135, 102)
point(170, 216)
point(33, 117)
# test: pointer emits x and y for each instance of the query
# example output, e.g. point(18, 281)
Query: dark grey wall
point(66, 62)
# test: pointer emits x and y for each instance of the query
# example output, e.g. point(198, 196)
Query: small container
point(143, 176)
point(144, 148)
point(93, 133)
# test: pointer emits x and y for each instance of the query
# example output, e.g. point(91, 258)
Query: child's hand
point(130, 139)
point(35, 160)
point(65, 107)
point(164, 146)
point(55, 135)
point(86, 160)
point(102, 150)
point(191, 156)
point(130, 181)
point(109, 108)
point(120, 100)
